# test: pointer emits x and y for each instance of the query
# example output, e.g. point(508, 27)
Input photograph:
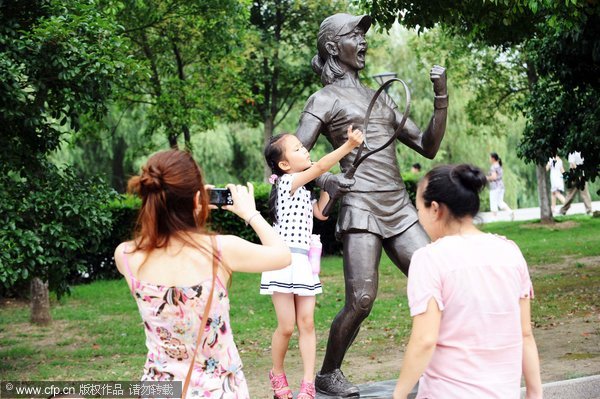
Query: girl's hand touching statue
point(355, 137)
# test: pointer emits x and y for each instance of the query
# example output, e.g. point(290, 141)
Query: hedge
point(126, 208)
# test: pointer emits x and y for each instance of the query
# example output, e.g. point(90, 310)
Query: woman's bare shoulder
point(123, 249)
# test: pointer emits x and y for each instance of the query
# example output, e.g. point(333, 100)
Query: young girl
point(293, 289)
point(169, 269)
point(469, 295)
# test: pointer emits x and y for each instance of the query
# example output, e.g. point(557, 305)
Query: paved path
point(577, 388)
point(534, 213)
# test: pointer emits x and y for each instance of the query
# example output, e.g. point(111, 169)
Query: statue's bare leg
point(400, 248)
point(362, 252)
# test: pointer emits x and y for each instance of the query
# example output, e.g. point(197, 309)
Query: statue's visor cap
point(342, 24)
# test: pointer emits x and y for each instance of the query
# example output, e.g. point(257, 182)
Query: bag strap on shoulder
point(215, 263)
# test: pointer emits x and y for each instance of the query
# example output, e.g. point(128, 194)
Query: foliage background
point(96, 86)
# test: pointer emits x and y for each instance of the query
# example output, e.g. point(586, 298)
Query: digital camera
point(220, 196)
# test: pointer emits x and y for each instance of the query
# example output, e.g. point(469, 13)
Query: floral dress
point(172, 317)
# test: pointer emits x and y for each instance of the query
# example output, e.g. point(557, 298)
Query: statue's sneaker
point(335, 383)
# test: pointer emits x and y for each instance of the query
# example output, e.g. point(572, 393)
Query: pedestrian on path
point(416, 168)
point(497, 187)
point(575, 160)
point(557, 183)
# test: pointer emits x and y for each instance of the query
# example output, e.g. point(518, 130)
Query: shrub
point(100, 265)
point(49, 221)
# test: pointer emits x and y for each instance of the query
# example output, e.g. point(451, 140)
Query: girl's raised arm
point(355, 138)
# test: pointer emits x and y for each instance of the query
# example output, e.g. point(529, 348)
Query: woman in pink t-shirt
point(469, 295)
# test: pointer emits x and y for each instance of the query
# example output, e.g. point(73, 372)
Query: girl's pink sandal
point(307, 390)
point(280, 386)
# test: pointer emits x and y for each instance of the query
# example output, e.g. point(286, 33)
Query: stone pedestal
point(374, 390)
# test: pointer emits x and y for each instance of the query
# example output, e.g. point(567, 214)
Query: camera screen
point(220, 196)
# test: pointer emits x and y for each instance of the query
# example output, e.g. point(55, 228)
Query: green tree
point(564, 106)
point(110, 147)
point(58, 61)
point(48, 225)
point(509, 23)
point(193, 53)
point(279, 65)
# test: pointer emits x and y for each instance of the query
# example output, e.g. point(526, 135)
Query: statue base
point(374, 390)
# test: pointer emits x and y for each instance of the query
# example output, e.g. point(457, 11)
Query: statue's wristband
point(440, 102)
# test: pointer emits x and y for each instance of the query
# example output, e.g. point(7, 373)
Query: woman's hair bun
point(470, 177)
point(151, 179)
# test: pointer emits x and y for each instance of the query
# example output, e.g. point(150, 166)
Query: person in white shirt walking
point(557, 183)
point(574, 161)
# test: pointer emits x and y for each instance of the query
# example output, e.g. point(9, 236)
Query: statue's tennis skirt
point(385, 213)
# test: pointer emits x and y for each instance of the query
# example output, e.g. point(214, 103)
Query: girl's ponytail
point(273, 203)
point(273, 155)
point(496, 157)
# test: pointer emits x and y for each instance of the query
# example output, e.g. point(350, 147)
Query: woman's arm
point(120, 258)
point(531, 360)
point(243, 256)
point(420, 348)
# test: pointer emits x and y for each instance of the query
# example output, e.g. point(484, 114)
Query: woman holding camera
point(178, 273)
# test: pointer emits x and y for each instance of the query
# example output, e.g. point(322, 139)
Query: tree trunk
point(118, 168)
point(543, 196)
point(181, 74)
point(540, 170)
point(40, 302)
point(271, 88)
point(187, 137)
point(268, 133)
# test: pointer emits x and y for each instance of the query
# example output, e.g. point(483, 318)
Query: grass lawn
point(97, 332)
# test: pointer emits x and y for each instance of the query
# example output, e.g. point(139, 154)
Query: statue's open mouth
point(362, 54)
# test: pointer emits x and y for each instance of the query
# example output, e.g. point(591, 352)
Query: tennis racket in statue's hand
point(346, 181)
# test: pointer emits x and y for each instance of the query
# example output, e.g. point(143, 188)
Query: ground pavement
point(533, 213)
point(577, 388)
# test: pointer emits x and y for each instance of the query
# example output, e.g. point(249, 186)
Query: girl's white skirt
point(297, 278)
